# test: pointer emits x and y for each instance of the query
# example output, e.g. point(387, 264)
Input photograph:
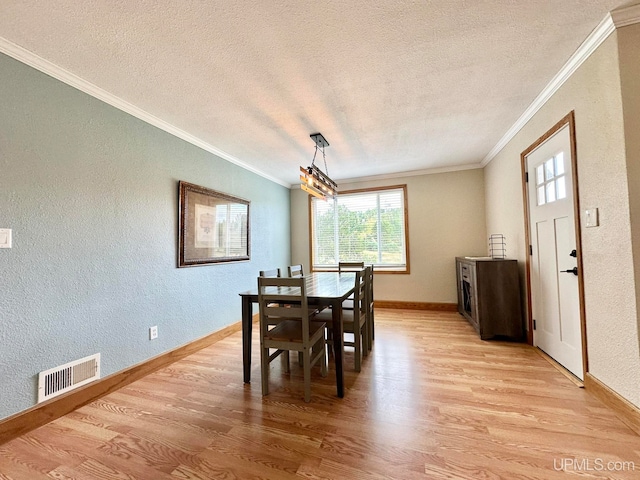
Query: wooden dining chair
point(354, 320)
point(276, 273)
point(295, 271)
point(289, 328)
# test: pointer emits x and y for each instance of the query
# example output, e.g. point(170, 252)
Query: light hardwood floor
point(432, 402)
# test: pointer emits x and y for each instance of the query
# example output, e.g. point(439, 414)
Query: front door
point(555, 298)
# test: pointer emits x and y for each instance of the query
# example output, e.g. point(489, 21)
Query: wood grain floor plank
point(432, 401)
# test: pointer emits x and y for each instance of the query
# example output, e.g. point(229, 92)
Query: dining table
point(325, 289)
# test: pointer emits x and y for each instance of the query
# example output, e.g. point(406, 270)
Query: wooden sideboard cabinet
point(489, 296)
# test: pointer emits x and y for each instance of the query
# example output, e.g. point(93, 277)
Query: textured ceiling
point(394, 86)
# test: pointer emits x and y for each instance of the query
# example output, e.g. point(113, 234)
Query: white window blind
point(364, 226)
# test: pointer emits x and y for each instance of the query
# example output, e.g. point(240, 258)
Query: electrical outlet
point(153, 332)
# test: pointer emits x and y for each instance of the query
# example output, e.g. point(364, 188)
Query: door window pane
point(548, 169)
point(541, 195)
point(551, 192)
point(539, 175)
point(560, 164)
point(561, 190)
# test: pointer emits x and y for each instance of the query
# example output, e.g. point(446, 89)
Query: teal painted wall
point(91, 194)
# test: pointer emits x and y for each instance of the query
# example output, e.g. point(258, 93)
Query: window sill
point(376, 270)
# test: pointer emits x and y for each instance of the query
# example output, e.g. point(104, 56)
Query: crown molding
point(626, 16)
point(29, 58)
point(618, 18)
point(605, 28)
point(410, 173)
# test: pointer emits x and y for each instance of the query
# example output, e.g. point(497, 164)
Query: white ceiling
point(393, 85)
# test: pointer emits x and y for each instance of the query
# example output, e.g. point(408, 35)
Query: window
point(361, 225)
point(550, 180)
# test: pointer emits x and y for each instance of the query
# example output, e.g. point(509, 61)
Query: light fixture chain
point(326, 169)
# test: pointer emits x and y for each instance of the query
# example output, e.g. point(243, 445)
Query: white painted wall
point(594, 93)
point(446, 219)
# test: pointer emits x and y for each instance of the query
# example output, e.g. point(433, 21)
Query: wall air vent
point(59, 380)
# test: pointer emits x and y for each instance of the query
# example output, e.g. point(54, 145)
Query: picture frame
point(213, 227)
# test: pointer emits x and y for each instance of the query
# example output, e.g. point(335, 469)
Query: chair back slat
point(284, 312)
point(296, 271)
point(350, 266)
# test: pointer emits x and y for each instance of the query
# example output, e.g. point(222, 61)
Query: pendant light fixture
point(313, 180)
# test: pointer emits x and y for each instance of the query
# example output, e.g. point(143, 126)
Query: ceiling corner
point(606, 27)
point(626, 16)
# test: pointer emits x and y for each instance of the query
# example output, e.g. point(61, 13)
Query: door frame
point(569, 120)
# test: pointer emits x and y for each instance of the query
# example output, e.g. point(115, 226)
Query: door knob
point(573, 254)
point(574, 270)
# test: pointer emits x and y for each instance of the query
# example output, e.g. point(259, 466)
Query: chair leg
point(366, 343)
point(370, 334)
point(264, 369)
point(320, 350)
point(324, 370)
point(373, 330)
point(357, 344)
point(306, 354)
point(284, 361)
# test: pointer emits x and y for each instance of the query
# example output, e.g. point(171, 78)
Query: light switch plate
point(5, 238)
point(591, 217)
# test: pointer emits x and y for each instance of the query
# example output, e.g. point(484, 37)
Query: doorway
point(554, 264)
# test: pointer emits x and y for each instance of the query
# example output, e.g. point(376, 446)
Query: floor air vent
point(58, 380)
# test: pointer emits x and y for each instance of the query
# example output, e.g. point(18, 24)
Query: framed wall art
point(213, 226)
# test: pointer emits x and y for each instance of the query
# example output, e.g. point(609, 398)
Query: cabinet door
point(498, 294)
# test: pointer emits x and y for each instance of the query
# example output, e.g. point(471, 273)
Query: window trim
point(407, 269)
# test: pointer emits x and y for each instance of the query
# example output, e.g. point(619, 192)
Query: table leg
point(247, 323)
point(338, 334)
